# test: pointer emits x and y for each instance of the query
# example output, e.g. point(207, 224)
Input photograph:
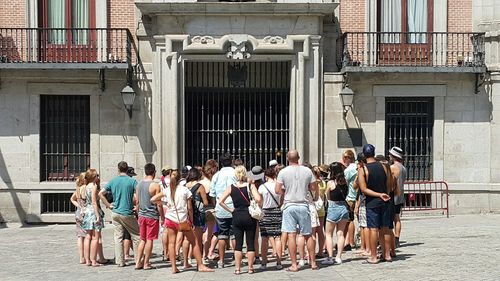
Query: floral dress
point(79, 215)
point(90, 217)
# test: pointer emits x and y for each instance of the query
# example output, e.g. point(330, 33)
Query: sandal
point(251, 271)
point(105, 261)
point(237, 272)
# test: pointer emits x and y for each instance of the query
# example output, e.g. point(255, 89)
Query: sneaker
point(220, 264)
point(347, 248)
point(338, 261)
point(306, 261)
point(263, 266)
point(279, 266)
point(301, 263)
point(328, 261)
point(205, 261)
point(256, 260)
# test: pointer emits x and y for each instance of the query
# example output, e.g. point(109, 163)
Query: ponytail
point(175, 177)
point(80, 181)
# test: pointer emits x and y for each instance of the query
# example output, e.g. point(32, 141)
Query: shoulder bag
point(254, 209)
point(272, 196)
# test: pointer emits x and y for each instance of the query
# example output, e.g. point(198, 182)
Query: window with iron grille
point(57, 203)
point(64, 137)
point(409, 122)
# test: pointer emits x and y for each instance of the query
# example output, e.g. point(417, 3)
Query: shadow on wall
point(4, 176)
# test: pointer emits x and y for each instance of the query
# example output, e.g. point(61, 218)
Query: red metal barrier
point(426, 196)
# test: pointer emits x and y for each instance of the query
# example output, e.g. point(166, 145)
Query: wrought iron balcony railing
point(412, 51)
point(56, 46)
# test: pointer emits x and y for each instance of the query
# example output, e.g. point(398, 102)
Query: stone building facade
point(251, 78)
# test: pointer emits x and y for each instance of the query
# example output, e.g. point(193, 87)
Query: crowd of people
point(201, 212)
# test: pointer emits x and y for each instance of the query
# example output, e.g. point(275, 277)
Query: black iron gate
point(239, 108)
point(408, 124)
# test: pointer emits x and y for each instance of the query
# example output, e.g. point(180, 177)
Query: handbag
point(184, 225)
point(318, 204)
point(253, 209)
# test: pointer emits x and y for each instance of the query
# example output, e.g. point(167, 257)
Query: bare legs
point(208, 240)
point(365, 245)
point(321, 235)
point(196, 251)
point(140, 254)
point(86, 247)
point(127, 244)
point(172, 239)
point(341, 226)
point(292, 248)
point(373, 238)
point(397, 228)
point(330, 227)
point(91, 242)
point(80, 241)
point(277, 249)
point(386, 242)
point(349, 235)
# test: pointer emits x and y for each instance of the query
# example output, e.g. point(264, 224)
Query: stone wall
point(114, 136)
point(465, 133)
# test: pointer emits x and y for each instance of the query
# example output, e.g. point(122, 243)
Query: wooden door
point(405, 48)
point(63, 37)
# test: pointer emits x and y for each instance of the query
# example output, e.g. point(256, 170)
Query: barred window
point(64, 137)
point(409, 124)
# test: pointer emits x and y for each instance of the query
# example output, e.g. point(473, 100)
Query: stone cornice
point(154, 7)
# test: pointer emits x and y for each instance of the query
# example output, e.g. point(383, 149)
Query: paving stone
point(432, 248)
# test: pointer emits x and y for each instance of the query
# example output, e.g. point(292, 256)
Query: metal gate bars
point(409, 123)
point(237, 108)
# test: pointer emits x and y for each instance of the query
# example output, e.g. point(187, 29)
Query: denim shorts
point(374, 217)
point(388, 216)
point(337, 211)
point(225, 229)
point(296, 216)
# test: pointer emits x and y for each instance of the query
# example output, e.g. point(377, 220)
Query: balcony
point(60, 48)
point(412, 52)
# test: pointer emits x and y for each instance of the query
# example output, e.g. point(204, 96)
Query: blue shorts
point(225, 228)
point(374, 216)
point(337, 211)
point(296, 216)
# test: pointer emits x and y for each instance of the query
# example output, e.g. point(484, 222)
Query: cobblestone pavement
point(458, 248)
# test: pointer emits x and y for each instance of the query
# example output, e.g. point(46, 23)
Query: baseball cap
point(256, 173)
point(273, 163)
point(131, 172)
point(369, 150)
point(185, 170)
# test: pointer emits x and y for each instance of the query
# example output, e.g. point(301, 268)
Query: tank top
point(146, 208)
point(339, 193)
point(240, 203)
point(198, 206)
point(377, 181)
point(401, 181)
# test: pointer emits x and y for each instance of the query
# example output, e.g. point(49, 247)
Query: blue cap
point(369, 150)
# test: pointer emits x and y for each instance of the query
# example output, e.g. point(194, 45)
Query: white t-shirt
point(164, 187)
point(267, 198)
point(182, 195)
